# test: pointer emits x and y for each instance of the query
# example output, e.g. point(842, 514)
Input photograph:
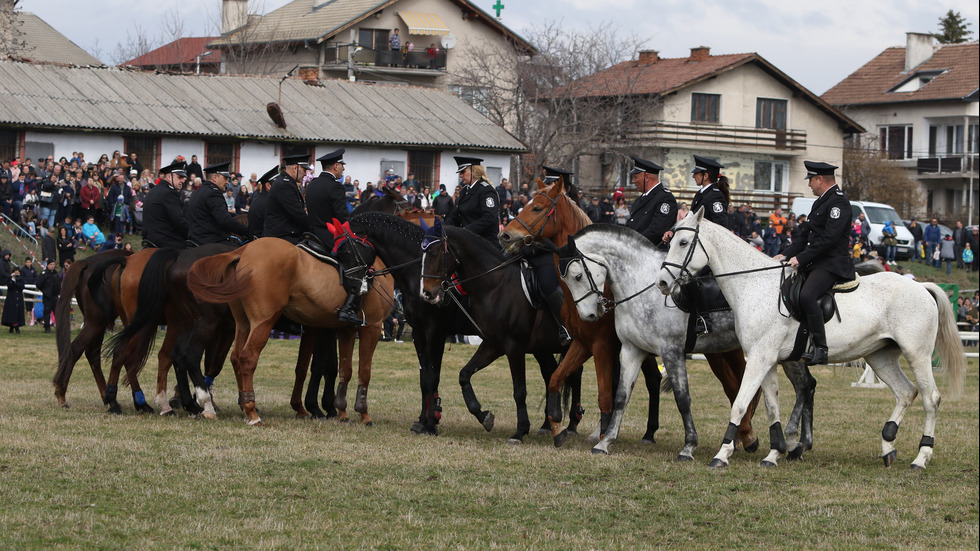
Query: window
point(474, 96)
point(221, 152)
point(933, 139)
point(8, 144)
point(373, 39)
point(954, 139)
point(770, 113)
point(896, 141)
point(974, 142)
point(147, 151)
point(704, 107)
point(397, 166)
point(771, 175)
point(425, 166)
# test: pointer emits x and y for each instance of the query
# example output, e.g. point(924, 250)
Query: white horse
point(646, 324)
point(886, 316)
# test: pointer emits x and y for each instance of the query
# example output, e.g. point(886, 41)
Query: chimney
point(234, 15)
point(649, 57)
point(918, 49)
point(700, 53)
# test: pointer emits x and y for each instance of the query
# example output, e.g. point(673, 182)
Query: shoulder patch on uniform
point(835, 213)
point(718, 207)
point(490, 202)
point(664, 208)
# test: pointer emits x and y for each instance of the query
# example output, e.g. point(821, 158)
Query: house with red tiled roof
point(919, 103)
point(184, 55)
point(738, 108)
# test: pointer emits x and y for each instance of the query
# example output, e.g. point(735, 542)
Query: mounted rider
point(208, 218)
point(286, 217)
point(476, 209)
point(654, 213)
point(260, 202)
point(822, 253)
point(326, 201)
point(713, 194)
point(164, 222)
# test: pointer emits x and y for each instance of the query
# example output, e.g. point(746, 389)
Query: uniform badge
point(718, 207)
point(490, 202)
point(664, 208)
point(835, 213)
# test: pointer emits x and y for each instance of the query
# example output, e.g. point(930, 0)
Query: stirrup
point(701, 326)
point(816, 355)
point(564, 337)
point(348, 316)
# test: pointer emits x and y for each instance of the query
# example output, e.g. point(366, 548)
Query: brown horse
point(268, 278)
point(550, 214)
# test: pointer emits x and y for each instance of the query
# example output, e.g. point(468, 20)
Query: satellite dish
point(448, 41)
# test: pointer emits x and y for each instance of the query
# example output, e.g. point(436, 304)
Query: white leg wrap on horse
point(203, 398)
point(887, 447)
point(253, 422)
point(163, 403)
point(596, 434)
point(771, 459)
point(725, 452)
point(925, 454)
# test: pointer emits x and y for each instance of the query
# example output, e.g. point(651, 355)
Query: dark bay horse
point(551, 214)
point(507, 322)
point(270, 277)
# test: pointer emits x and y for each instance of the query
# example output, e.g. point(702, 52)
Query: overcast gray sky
point(816, 43)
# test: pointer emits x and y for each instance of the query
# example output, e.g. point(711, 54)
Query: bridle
point(531, 237)
point(684, 272)
point(604, 304)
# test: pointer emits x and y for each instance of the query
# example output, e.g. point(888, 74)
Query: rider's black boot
point(818, 353)
point(350, 311)
point(554, 301)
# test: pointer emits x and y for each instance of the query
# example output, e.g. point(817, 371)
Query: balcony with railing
point(663, 133)
point(384, 60)
point(945, 166)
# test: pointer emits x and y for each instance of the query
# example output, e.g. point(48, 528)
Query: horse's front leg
point(577, 355)
point(485, 354)
point(345, 370)
point(652, 378)
point(519, 377)
point(799, 428)
point(301, 370)
point(756, 369)
point(675, 363)
point(631, 358)
point(367, 344)
point(777, 442)
point(729, 368)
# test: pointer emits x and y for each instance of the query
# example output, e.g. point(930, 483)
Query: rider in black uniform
point(326, 201)
point(286, 217)
point(654, 212)
point(476, 209)
point(259, 206)
point(713, 195)
point(207, 213)
point(822, 253)
point(164, 224)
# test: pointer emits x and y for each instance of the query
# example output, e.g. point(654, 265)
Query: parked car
point(876, 214)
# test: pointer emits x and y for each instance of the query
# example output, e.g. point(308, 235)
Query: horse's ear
point(561, 185)
point(541, 184)
point(698, 215)
point(425, 227)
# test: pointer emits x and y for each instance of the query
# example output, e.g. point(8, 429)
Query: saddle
point(699, 297)
point(311, 245)
point(789, 293)
point(529, 284)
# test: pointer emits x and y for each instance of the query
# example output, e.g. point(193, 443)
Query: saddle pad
point(317, 253)
point(529, 284)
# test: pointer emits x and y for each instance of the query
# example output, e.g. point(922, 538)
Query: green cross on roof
point(498, 6)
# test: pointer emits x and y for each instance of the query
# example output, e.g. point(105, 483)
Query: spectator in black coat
point(49, 283)
point(13, 304)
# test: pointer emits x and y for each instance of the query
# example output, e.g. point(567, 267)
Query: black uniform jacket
point(653, 213)
point(325, 200)
point(208, 217)
point(256, 213)
point(477, 211)
point(825, 236)
point(286, 217)
point(164, 224)
point(714, 203)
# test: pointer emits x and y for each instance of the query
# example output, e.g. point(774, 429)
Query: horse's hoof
point(115, 410)
point(718, 464)
point(175, 403)
point(648, 440)
point(209, 416)
point(753, 447)
point(795, 454)
point(65, 406)
point(915, 467)
point(514, 441)
point(488, 421)
point(344, 420)
point(368, 424)
point(216, 408)
point(682, 458)
point(560, 439)
point(767, 464)
point(417, 427)
point(599, 451)
point(168, 413)
point(145, 409)
point(543, 431)
point(572, 430)
point(889, 458)
point(430, 430)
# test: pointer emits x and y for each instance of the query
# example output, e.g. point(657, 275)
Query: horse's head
point(685, 256)
point(538, 219)
point(438, 263)
point(585, 277)
point(356, 255)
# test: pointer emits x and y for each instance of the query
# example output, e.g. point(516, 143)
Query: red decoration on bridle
point(341, 232)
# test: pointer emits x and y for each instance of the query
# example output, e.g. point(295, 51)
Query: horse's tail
point(140, 333)
point(102, 299)
point(666, 384)
point(948, 342)
point(215, 280)
point(63, 329)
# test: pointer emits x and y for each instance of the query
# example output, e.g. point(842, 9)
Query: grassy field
point(80, 478)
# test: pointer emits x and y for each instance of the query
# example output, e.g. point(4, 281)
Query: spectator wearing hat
point(655, 211)
point(164, 223)
point(476, 209)
point(208, 219)
point(13, 304)
point(286, 217)
point(713, 195)
point(259, 204)
point(822, 252)
point(49, 283)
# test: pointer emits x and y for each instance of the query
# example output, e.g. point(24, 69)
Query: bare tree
point(870, 176)
point(252, 49)
point(545, 99)
point(137, 43)
point(12, 42)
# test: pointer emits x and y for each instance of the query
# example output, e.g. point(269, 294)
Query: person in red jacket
point(90, 198)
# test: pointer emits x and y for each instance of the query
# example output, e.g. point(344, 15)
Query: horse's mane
point(396, 231)
point(630, 238)
point(575, 211)
point(474, 243)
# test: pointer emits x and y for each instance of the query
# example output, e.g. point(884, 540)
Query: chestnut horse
point(268, 278)
point(551, 214)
